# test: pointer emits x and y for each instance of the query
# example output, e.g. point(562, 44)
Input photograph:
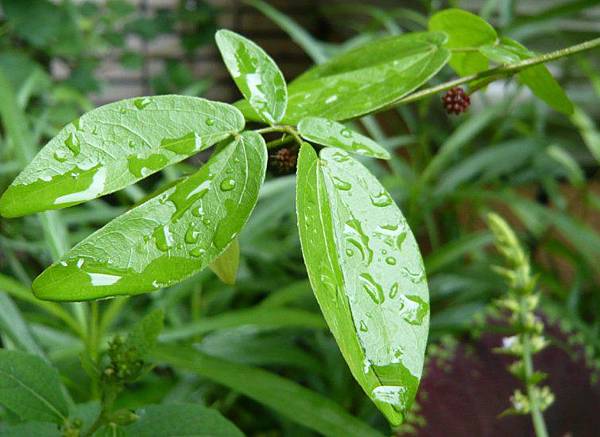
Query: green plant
point(521, 301)
point(352, 233)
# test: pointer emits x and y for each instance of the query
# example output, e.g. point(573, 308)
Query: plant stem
point(500, 71)
point(537, 417)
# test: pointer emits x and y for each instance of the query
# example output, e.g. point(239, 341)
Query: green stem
point(283, 129)
point(500, 71)
point(537, 417)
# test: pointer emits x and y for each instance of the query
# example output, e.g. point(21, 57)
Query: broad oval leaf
point(116, 145)
point(367, 274)
point(537, 78)
point(255, 74)
point(175, 420)
point(468, 31)
point(30, 388)
point(170, 236)
point(365, 79)
point(330, 133)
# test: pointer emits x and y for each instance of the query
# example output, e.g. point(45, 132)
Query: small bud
point(283, 161)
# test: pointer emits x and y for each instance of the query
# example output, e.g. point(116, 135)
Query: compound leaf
point(116, 145)
point(364, 79)
point(256, 75)
point(367, 274)
point(169, 237)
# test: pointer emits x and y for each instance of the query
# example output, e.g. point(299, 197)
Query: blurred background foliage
point(509, 153)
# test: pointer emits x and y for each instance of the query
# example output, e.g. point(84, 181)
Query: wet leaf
point(367, 274)
point(227, 264)
point(468, 31)
point(537, 78)
point(333, 134)
point(30, 388)
point(167, 238)
point(364, 79)
point(116, 145)
point(256, 75)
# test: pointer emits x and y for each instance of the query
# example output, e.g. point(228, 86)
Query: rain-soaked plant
point(362, 259)
point(521, 301)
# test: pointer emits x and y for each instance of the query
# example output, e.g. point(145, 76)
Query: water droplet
point(198, 212)
point(209, 121)
point(191, 235)
point(197, 252)
point(415, 310)
point(206, 221)
point(381, 199)
point(227, 184)
point(394, 290)
point(346, 133)
point(391, 260)
point(349, 252)
point(60, 155)
point(340, 184)
point(373, 289)
point(363, 326)
point(357, 238)
point(415, 278)
point(142, 102)
point(389, 394)
point(340, 157)
point(72, 142)
point(163, 238)
point(122, 110)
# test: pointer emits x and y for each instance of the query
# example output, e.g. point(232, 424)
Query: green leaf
point(171, 420)
point(30, 388)
point(333, 134)
point(270, 318)
point(256, 75)
point(464, 30)
point(13, 325)
point(145, 333)
point(298, 404)
point(37, 429)
point(367, 274)
point(227, 264)
point(537, 78)
point(116, 145)
point(364, 79)
point(166, 239)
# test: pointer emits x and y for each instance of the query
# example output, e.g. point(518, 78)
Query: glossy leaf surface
point(256, 75)
point(116, 145)
point(468, 31)
point(174, 420)
point(167, 238)
point(334, 134)
point(537, 78)
point(367, 274)
point(364, 79)
point(30, 388)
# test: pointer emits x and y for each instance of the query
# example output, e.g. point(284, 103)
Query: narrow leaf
point(166, 239)
point(256, 75)
point(116, 145)
point(383, 70)
point(537, 78)
point(30, 388)
point(227, 264)
point(173, 420)
point(367, 274)
point(333, 134)
point(464, 30)
point(289, 399)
